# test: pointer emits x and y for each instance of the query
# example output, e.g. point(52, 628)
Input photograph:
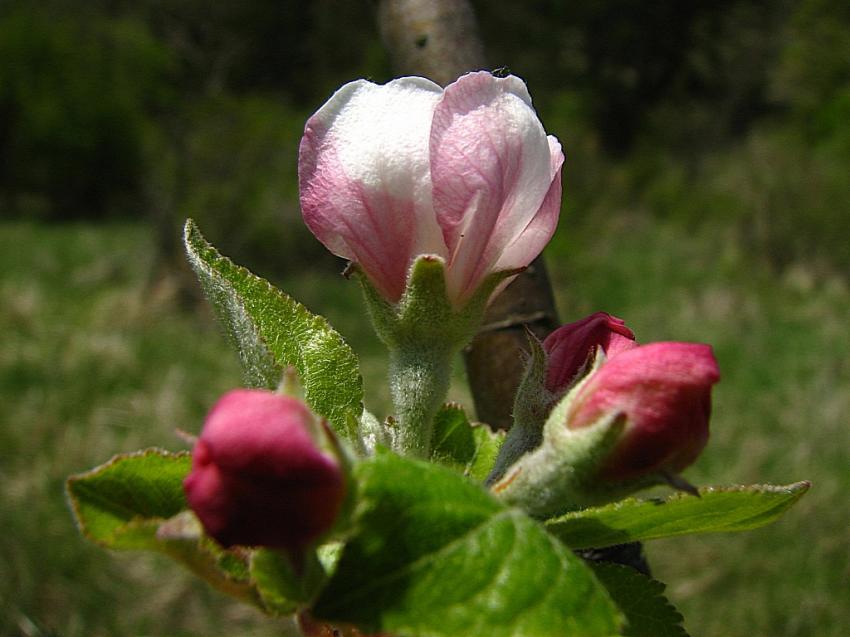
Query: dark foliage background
point(169, 108)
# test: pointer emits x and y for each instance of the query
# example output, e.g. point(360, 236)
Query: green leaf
point(120, 504)
point(433, 554)
point(272, 331)
point(136, 501)
point(717, 510)
point(470, 448)
point(641, 599)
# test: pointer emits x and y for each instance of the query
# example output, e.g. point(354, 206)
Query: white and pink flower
point(467, 173)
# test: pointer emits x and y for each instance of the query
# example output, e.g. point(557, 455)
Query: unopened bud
point(634, 421)
point(663, 392)
point(570, 349)
point(265, 472)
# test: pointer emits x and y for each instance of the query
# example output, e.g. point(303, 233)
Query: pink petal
point(365, 181)
point(491, 167)
point(531, 241)
point(572, 346)
point(260, 430)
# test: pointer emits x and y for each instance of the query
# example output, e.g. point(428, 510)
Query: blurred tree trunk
point(439, 39)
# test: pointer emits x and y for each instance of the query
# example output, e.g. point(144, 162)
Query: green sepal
point(271, 331)
point(469, 448)
point(423, 331)
point(433, 554)
point(559, 475)
point(532, 405)
point(424, 314)
point(717, 510)
point(641, 598)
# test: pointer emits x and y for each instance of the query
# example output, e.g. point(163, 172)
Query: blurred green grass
point(94, 362)
point(99, 358)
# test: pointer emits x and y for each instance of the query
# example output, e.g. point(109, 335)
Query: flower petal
point(571, 347)
point(491, 167)
point(364, 177)
point(531, 241)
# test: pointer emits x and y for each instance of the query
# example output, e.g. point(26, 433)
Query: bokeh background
point(707, 198)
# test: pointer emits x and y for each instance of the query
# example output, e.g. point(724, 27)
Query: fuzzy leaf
point(470, 448)
point(272, 331)
point(434, 554)
point(641, 598)
point(718, 509)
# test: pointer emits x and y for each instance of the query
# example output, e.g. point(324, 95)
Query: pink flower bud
point(571, 348)
point(389, 172)
point(663, 390)
point(259, 476)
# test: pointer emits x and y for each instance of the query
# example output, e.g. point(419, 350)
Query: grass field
point(97, 359)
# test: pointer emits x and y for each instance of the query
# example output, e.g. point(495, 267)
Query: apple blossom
point(260, 476)
point(467, 173)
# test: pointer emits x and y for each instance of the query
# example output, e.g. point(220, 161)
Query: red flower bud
point(571, 347)
point(259, 476)
point(663, 390)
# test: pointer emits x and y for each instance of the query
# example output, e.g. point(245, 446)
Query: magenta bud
point(260, 473)
point(663, 391)
point(571, 348)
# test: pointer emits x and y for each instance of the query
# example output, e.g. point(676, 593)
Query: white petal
point(534, 237)
point(365, 177)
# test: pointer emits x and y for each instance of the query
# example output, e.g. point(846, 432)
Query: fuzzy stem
point(419, 382)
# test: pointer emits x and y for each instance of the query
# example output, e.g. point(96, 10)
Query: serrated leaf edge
point(191, 231)
point(658, 591)
point(796, 490)
point(72, 500)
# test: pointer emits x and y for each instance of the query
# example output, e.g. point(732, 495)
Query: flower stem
point(419, 382)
